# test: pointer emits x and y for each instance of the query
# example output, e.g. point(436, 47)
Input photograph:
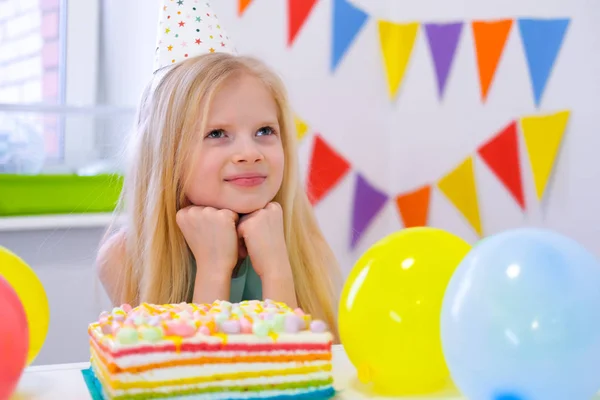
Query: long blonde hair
point(158, 265)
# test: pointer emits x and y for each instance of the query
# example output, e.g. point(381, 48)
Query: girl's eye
point(265, 131)
point(216, 134)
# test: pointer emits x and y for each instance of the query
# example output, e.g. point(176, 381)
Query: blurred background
point(465, 115)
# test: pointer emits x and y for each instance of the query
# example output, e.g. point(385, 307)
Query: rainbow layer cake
point(250, 350)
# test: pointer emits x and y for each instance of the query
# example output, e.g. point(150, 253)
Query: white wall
point(430, 137)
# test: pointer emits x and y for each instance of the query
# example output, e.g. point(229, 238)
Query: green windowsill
point(58, 194)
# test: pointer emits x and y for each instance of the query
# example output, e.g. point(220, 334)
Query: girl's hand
point(262, 232)
point(212, 238)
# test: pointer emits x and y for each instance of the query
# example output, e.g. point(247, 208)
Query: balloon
point(14, 339)
point(389, 311)
point(32, 295)
point(520, 319)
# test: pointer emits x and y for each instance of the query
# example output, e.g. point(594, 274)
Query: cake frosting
point(248, 350)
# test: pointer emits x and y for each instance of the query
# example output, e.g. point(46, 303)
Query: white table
point(65, 382)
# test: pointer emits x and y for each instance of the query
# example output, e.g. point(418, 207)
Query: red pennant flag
point(327, 167)
point(501, 154)
point(414, 207)
point(298, 12)
point(242, 5)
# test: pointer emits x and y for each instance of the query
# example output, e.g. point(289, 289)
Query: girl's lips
point(247, 180)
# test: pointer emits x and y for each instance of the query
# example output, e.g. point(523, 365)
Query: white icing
point(304, 337)
point(134, 360)
point(222, 384)
point(191, 371)
point(240, 395)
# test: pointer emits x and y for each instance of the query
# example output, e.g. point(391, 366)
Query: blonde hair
point(158, 264)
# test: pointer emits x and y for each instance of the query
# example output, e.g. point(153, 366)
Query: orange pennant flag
point(397, 42)
point(414, 207)
point(543, 135)
point(459, 187)
point(242, 5)
point(490, 40)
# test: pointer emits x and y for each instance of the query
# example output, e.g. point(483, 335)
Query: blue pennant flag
point(348, 20)
point(542, 40)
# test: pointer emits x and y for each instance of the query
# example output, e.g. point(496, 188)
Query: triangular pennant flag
point(543, 135)
point(490, 40)
point(459, 187)
point(298, 12)
point(301, 127)
point(327, 167)
point(368, 201)
point(443, 40)
point(414, 207)
point(347, 22)
point(397, 42)
point(242, 5)
point(501, 154)
point(542, 40)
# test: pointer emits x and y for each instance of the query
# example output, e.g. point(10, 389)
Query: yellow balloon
point(390, 309)
point(33, 296)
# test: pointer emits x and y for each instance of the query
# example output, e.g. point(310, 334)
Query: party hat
point(188, 28)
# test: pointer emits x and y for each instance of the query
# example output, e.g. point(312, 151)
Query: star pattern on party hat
point(188, 28)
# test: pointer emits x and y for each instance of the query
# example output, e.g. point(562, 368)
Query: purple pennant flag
point(443, 40)
point(368, 201)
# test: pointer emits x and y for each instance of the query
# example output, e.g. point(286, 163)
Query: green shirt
point(246, 285)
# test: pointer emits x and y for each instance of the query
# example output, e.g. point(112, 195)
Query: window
point(51, 116)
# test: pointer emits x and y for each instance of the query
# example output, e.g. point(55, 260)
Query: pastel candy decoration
point(127, 335)
point(139, 320)
point(278, 323)
point(154, 320)
point(292, 323)
point(181, 328)
point(318, 326)
point(260, 328)
point(106, 329)
point(220, 318)
point(126, 307)
point(185, 315)
point(299, 312)
point(152, 333)
point(204, 330)
point(231, 327)
point(245, 326)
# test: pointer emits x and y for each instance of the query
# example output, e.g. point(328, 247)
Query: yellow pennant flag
point(397, 42)
point(459, 187)
point(543, 135)
point(301, 127)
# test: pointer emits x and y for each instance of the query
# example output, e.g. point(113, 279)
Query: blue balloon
point(521, 319)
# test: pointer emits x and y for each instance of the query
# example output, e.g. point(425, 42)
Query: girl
point(212, 197)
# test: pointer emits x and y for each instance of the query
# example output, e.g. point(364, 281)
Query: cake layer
point(147, 385)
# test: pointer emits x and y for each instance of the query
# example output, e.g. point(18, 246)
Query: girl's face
point(238, 163)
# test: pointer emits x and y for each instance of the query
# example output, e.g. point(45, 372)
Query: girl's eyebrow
point(228, 126)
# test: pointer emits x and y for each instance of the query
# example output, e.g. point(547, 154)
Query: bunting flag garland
point(542, 40)
point(348, 20)
point(298, 12)
point(490, 40)
point(501, 154)
point(368, 201)
point(543, 135)
point(327, 168)
point(301, 127)
point(397, 42)
point(413, 207)
point(443, 40)
point(459, 187)
point(242, 5)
